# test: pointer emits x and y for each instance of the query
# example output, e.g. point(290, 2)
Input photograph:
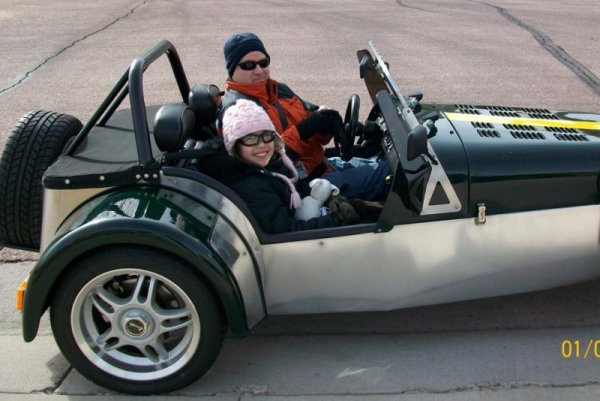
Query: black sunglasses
point(254, 139)
point(249, 65)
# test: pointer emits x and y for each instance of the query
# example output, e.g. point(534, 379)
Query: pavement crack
point(401, 4)
point(477, 387)
point(580, 70)
point(59, 382)
point(28, 74)
point(493, 386)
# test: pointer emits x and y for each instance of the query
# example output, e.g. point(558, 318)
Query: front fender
point(153, 217)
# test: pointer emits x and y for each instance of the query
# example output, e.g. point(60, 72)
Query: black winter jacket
point(267, 196)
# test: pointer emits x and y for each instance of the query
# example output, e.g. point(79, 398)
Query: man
point(304, 127)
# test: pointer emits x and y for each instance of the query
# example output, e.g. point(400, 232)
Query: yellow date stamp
point(578, 349)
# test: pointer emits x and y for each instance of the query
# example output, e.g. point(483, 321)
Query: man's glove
point(342, 211)
point(324, 122)
point(334, 116)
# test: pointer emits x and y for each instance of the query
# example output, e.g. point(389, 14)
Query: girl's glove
point(342, 211)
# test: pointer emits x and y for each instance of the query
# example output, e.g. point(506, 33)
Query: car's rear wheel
point(34, 144)
point(137, 321)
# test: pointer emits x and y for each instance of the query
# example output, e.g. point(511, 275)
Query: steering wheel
point(344, 139)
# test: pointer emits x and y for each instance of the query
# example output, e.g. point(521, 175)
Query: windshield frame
point(376, 74)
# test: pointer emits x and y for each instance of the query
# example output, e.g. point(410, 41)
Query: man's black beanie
point(237, 46)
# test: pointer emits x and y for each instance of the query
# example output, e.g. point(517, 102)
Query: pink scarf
point(295, 200)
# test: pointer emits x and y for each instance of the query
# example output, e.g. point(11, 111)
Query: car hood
point(528, 159)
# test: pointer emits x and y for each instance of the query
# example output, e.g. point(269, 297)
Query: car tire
point(137, 321)
point(34, 144)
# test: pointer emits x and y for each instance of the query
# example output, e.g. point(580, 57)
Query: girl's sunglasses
point(254, 139)
point(249, 65)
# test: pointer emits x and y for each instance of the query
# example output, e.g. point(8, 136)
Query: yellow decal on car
point(540, 122)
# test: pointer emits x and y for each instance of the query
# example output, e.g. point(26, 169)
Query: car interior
point(180, 129)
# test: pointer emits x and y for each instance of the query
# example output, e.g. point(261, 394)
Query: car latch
point(480, 219)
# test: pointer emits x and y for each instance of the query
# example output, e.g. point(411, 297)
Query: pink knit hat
point(246, 117)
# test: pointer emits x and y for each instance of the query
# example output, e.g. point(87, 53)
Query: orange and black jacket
point(286, 110)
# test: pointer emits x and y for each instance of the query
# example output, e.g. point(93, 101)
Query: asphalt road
point(66, 55)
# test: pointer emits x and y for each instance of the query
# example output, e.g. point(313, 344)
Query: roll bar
point(131, 83)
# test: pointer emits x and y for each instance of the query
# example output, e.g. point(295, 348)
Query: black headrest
point(173, 124)
point(205, 101)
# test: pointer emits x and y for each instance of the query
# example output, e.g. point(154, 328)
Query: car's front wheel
point(137, 321)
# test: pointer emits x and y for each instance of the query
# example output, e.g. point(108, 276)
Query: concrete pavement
point(434, 366)
point(504, 348)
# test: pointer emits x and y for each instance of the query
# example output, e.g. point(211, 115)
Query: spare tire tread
point(34, 144)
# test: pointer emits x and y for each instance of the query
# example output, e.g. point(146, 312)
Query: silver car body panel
point(434, 262)
point(57, 205)
point(410, 265)
point(229, 245)
point(235, 241)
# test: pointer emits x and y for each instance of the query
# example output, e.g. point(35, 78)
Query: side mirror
point(417, 143)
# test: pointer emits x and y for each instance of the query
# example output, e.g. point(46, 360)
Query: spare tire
point(33, 145)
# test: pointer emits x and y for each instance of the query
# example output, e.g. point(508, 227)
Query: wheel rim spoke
point(173, 319)
point(137, 292)
point(105, 302)
point(156, 352)
point(152, 286)
point(103, 341)
point(103, 338)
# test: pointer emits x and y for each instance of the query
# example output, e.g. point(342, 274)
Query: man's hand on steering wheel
point(334, 116)
point(323, 122)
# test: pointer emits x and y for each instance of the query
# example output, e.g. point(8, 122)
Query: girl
point(258, 170)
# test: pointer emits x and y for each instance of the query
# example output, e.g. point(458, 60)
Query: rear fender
point(153, 217)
